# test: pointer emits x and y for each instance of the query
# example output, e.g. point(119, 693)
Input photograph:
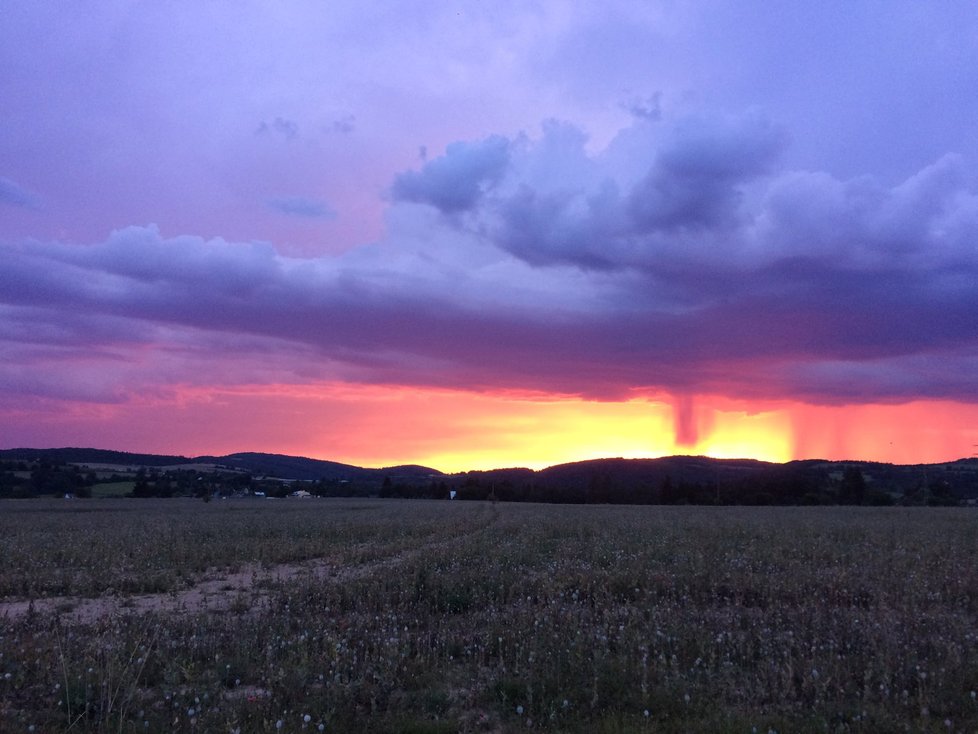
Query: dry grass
point(442, 617)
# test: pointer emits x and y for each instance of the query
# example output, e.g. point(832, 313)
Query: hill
point(302, 468)
point(667, 480)
point(278, 466)
point(703, 480)
point(92, 456)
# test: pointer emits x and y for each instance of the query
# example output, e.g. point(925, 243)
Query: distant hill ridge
point(279, 466)
point(699, 469)
point(667, 480)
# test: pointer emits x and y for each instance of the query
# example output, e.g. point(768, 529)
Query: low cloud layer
point(680, 258)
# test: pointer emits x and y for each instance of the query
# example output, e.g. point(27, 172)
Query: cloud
point(680, 258)
point(644, 108)
point(288, 129)
point(697, 177)
point(298, 206)
point(344, 125)
point(11, 193)
point(655, 190)
point(456, 181)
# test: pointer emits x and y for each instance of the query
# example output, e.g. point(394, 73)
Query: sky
point(472, 235)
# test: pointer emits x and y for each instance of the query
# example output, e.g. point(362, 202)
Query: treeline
point(790, 486)
point(674, 481)
point(183, 483)
point(52, 478)
point(23, 479)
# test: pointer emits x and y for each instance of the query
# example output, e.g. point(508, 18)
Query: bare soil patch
point(216, 591)
point(246, 590)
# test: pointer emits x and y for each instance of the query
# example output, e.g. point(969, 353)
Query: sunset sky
point(482, 234)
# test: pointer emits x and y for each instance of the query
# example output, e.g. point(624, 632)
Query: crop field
point(437, 616)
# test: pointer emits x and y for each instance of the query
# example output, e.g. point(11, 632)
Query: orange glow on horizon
point(741, 434)
point(454, 430)
point(920, 432)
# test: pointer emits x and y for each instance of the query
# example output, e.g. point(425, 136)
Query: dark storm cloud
point(687, 195)
point(680, 258)
point(694, 182)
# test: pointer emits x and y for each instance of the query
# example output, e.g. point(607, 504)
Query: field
point(435, 616)
point(112, 489)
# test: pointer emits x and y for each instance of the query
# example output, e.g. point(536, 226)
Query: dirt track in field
point(247, 589)
point(217, 591)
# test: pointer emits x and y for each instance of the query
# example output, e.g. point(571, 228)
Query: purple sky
point(757, 200)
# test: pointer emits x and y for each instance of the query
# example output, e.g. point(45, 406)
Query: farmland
point(435, 616)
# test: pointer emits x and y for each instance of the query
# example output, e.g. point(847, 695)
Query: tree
point(853, 489)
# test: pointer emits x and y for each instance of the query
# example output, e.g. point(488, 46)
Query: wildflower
point(307, 718)
point(519, 710)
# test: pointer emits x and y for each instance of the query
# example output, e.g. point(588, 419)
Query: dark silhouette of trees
point(852, 490)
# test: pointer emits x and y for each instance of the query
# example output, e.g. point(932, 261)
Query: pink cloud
point(737, 290)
